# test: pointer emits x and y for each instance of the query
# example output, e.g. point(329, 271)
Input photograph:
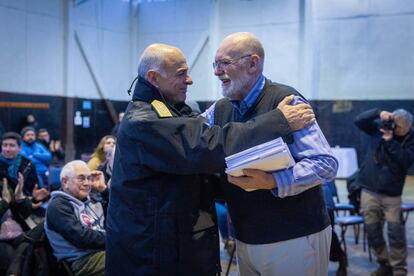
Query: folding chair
point(355, 221)
point(349, 220)
point(406, 209)
point(346, 207)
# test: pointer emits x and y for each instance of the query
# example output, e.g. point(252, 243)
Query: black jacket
point(385, 166)
point(161, 217)
point(24, 166)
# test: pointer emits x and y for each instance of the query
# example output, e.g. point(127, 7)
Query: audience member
point(75, 223)
point(100, 190)
point(102, 151)
point(36, 153)
point(12, 162)
point(54, 146)
point(15, 207)
point(382, 177)
point(106, 166)
point(29, 120)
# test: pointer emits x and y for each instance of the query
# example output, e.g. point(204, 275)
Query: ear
point(254, 63)
point(152, 77)
point(64, 181)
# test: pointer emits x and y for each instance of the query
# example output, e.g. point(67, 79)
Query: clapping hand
point(55, 145)
point(40, 194)
point(18, 192)
point(98, 181)
point(5, 193)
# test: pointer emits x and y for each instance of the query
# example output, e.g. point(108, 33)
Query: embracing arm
point(190, 145)
point(315, 165)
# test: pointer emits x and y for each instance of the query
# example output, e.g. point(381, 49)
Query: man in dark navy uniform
point(161, 217)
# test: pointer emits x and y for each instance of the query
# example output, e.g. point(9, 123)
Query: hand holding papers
point(270, 156)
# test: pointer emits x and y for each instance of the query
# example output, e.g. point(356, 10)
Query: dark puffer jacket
point(385, 166)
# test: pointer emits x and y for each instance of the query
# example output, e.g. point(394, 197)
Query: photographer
point(382, 176)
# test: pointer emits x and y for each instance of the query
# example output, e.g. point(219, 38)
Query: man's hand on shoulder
point(298, 116)
point(253, 179)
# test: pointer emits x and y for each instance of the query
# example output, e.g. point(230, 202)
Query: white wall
point(354, 49)
point(39, 54)
point(31, 46)
point(366, 49)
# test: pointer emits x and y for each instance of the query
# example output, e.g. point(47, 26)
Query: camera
point(387, 125)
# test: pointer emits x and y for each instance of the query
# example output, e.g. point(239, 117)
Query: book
point(270, 156)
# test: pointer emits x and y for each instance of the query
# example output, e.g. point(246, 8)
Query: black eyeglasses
point(226, 62)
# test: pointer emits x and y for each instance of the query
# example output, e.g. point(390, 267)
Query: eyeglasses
point(83, 178)
point(226, 62)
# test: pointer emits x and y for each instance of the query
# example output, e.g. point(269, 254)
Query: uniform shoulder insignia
point(161, 109)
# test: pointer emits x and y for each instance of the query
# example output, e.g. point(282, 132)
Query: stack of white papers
point(270, 156)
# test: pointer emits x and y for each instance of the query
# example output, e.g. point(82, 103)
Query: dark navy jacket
point(161, 217)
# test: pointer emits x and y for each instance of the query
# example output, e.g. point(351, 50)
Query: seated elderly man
point(74, 223)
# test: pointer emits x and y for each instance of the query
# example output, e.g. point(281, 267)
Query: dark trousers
point(6, 254)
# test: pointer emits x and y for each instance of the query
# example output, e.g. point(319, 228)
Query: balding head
point(154, 58)
point(242, 43)
point(165, 67)
point(239, 64)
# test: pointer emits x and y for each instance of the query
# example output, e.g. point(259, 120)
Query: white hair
point(69, 169)
point(404, 115)
point(153, 58)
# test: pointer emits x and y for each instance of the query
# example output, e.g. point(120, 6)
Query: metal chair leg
point(343, 231)
point(231, 260)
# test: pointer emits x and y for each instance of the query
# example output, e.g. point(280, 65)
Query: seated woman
point(101, 152)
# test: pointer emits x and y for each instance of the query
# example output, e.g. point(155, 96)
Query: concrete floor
point(359, 263)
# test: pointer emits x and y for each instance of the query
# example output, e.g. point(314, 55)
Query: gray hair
point(404, 115)
point(69, 169)
point(153, 58)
